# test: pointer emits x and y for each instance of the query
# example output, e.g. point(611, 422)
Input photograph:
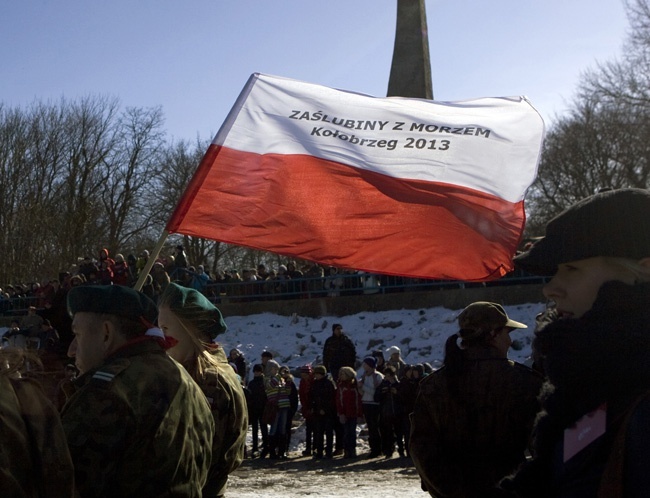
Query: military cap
point(178, 296)
point(483, 315)
point(615, 223)
point(115, 300)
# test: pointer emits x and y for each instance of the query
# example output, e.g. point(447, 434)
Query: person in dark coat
point(257, 402)
point(408, 391)
point(391, 412)
point(236, 357)
point(338, 351)
point(304, 395)
point(592, 439)
point(323, 405)
point(472, 419)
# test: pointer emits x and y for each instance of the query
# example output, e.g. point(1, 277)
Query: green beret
point(184, 300)
point(115, 300)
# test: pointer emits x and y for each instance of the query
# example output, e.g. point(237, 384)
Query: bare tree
point(133, 164)
point(604, 142)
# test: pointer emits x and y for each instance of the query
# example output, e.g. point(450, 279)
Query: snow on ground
point(420, 334)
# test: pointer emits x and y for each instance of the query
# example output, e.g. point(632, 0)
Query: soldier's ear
point(111, 336)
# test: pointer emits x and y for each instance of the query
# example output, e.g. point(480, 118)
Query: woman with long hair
point(194, 322)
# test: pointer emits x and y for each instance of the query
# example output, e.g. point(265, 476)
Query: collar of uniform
point(137, 346)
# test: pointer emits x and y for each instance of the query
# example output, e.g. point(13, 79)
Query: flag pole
point(152, 259)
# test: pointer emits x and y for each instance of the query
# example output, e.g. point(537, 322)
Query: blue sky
point(193, 57)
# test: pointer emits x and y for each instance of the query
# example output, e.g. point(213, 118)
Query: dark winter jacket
point(323, 402)
point(601, 358)
point(338, 351)
point(408, 391)
point(257, 397)
point(390, 401)
point(463, 444)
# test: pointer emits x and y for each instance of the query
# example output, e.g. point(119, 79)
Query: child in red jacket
point(348, 409)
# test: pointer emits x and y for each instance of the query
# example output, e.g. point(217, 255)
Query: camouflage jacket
point(34, 457)
point(138, 425)
point(228, 404)
point(463, 445)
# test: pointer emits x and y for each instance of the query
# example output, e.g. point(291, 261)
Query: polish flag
point(393, 185)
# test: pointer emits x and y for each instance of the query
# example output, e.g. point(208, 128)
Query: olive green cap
point(483, 315)
point(115, 300)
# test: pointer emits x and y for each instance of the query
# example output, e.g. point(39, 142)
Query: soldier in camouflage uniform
point(189, 317)
point(473, 418)
point(34, 457)
point(138, 424)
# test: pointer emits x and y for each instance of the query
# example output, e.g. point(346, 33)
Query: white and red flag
point(387, 185)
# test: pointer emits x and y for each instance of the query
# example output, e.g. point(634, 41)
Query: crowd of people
point(259, 283)
point(333, 401)
point(154, 406)
point(288, 281)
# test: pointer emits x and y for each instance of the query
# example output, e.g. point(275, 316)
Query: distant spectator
point(296, 282)
point(333, 282)
point(31, 322)
point(278, 404)
point(180, 258)
point(264, 359)
point(338, 351)
point(368, 384)
point(378, 355)
point(293, 401)
point(199, 279)
point(256, 404)
point(105, 265)
point(142, 261)
point(391, 412)
point(121, 274)
point(88, 267)
point(323, 405)
point(349, 409)
point(237, 357)
point(15, 337)
point(132, 263)
point(395, 360)
point(304, 395)
point(408, 391)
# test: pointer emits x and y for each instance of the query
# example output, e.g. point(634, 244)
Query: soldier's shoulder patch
point(107, 373)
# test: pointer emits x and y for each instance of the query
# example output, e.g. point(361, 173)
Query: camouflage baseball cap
point(483, 315)
point(115, 300)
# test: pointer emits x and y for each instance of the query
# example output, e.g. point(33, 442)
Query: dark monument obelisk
point(410, 71)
